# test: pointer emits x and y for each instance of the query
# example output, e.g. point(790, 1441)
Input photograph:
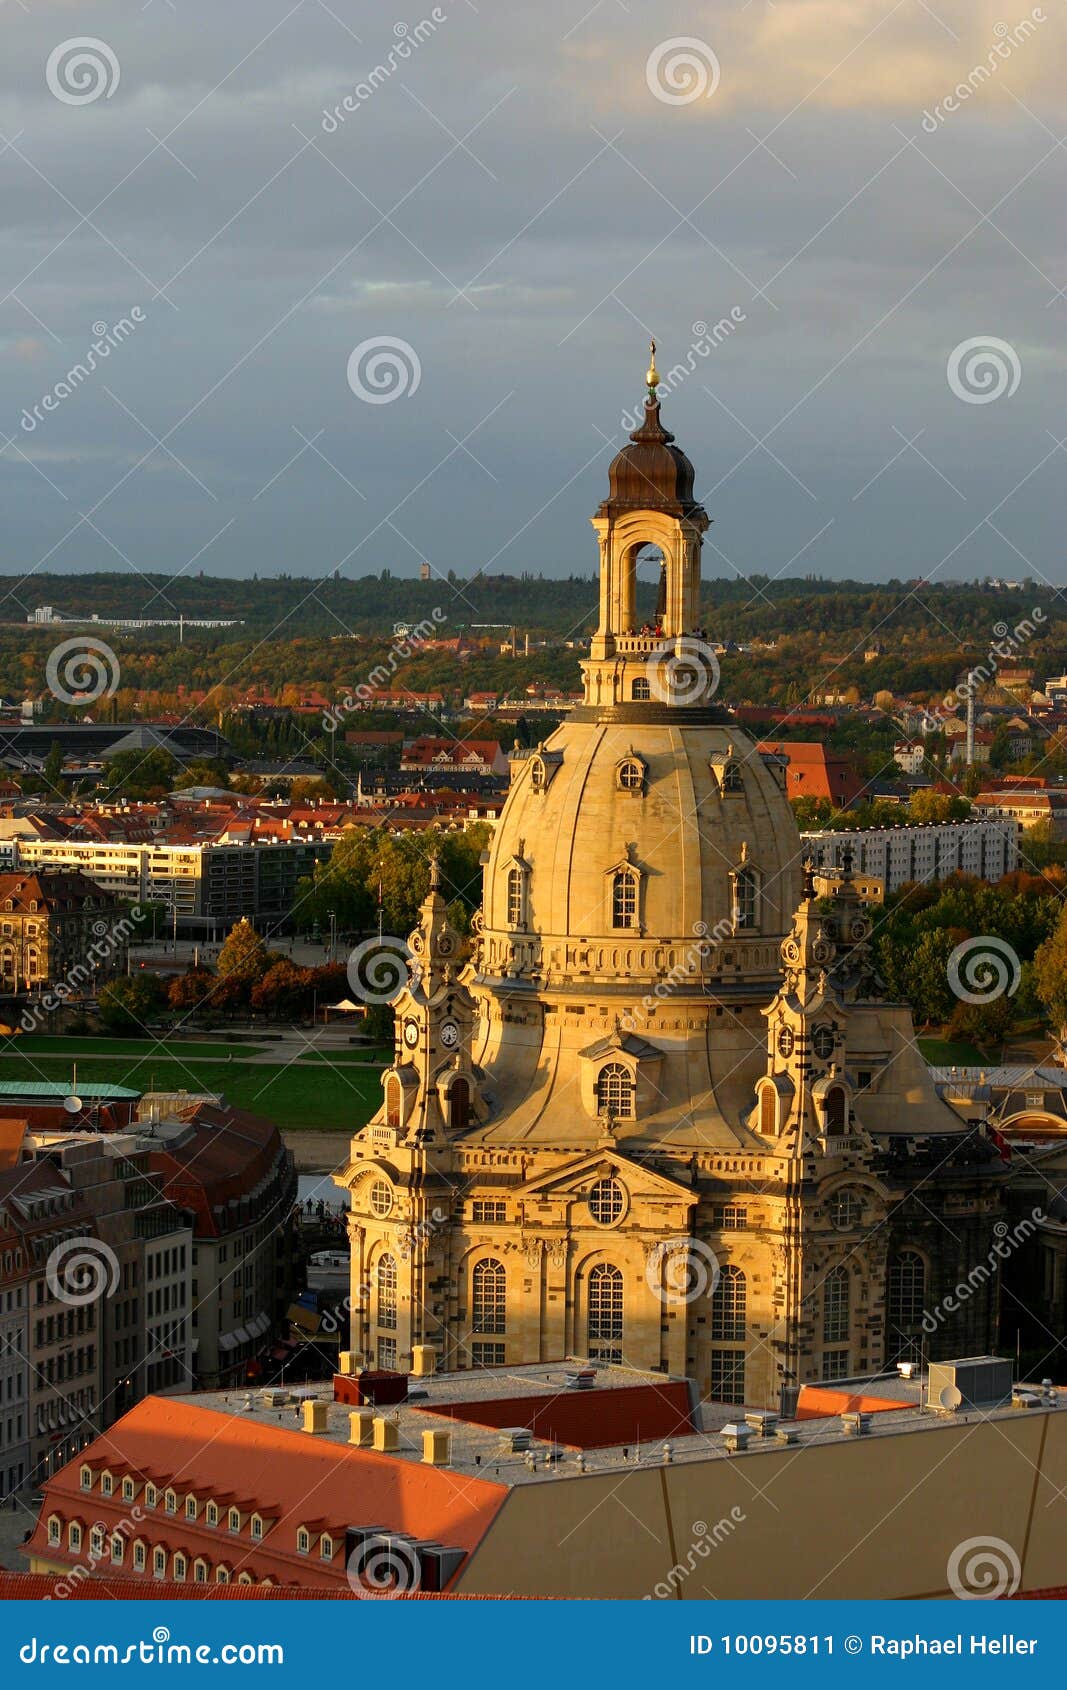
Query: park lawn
point(952, 1053)
point(103, 1044)
point(330, 1099)
point(379, 1057)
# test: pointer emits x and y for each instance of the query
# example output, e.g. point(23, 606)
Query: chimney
point(314, 1416)
point(423, 1361)
point(386, 1434)
point(361, 1427)
point(736, 1436)
point(437, 1448)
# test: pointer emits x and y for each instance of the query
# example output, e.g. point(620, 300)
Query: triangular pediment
point(574, 1178)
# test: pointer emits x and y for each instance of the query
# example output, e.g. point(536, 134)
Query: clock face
point(823, 1042)
point(785, 1042)
point(449, 1034)
point(411, 1033)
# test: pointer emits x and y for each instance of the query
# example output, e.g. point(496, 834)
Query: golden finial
point(652, 374)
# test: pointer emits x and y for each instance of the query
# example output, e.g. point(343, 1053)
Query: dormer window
point(151, 1496)
point(87, 1478)
point(303, 1541)
point(235, 1520)
point(172, 1502)
point(630, 775)
point(257, 1527)
point(190, 1508)
point(212, 1514)
point(55, 1529)
point(129, 1489)
point(731, 778)
point(746, 899)
point(107, 1483)
point(327, 1547)
point(615, 1091)
point(538, 774)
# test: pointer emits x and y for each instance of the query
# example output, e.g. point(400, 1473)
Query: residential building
point(987, 848)
point(59, 927)
point(815, 772)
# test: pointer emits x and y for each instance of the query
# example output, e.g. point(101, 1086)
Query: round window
point(606, 1202)
point(381, 1197)
point(631, 775)
point(785, 1042)
point(823, 1042)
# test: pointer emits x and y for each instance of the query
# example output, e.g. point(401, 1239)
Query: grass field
point(946, 1053)
point(44, 1044)
point(325, 1098)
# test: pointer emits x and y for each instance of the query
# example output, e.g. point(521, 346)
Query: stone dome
point(694, 815)
point(651, 472)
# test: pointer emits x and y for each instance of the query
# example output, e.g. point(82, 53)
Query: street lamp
point(333, 933)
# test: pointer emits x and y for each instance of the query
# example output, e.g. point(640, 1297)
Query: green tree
point(1050, 975)
point(52, 772)
point(129, 1003)
point(140, 774)
point(243, 957)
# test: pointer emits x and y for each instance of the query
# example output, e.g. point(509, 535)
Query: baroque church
point(660, 1114)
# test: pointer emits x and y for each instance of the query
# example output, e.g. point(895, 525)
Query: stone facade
point(662, 1116)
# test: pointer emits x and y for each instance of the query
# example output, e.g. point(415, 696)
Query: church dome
point(628, 850)
point(651, 472)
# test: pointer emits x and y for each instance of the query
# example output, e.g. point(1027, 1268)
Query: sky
point(376, 287)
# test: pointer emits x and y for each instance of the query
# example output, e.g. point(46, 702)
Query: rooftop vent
point(736, 1437)
point(764, 1422)
point(973, 1382)
point(855, 1425)
point(579, 1378)
point(515, 1438)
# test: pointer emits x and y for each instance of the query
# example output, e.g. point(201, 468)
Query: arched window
point(768, 1111)
point(746, 898)
point(631, 775)
point(387, 1279)
point(459, 1105)
point(516, 898)
point(615, 1091)
point(606, 1200)
point(836, 1110)
point(728, 1306)
point(605, 1313)
point(489, 1296)
point(624, 898)
point(835, 1310)
point(381, 1198)
point(640, 690)
point(905, 1288)
point(159, 1562)
point(731, 778)
point(537, 774)
point(392, 1101)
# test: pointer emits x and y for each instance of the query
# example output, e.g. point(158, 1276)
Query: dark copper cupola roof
point(651, 473)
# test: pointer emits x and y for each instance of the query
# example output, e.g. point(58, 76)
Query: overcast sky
point(518, 204)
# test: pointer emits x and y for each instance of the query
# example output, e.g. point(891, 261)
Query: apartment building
point(987, 848)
